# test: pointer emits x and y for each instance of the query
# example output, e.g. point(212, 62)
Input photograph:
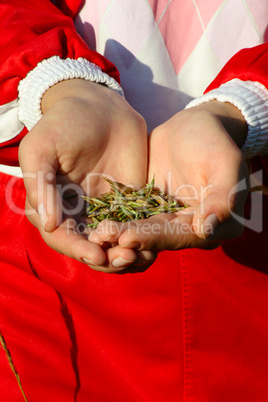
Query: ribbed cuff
point(251, 98)
point(48, 73)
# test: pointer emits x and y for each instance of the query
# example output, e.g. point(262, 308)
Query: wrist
point(73, 88)
point(48, 73)
point(251, 99)
point(230, 117)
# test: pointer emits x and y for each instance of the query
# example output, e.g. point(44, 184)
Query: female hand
point(87, 130)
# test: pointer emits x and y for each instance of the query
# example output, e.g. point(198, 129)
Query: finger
point(116, 259)
point(108, 231)
point(227, 230)
point(216, 217)
point(107, 234)
point(223, 199)
point(39, 173)
point(145, 258)
point(137, 267)
point(162, 232)
point(158, 233)
point(142, 257)
point(119, 259)
point(68, 239)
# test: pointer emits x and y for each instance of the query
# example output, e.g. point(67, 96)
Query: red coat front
point(193, 327)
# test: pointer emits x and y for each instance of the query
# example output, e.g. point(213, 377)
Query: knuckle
point(139, 124)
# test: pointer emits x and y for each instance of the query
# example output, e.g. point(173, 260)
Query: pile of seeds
point(123, 204)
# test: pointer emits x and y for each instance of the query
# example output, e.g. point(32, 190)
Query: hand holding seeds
point(86, 130)
point(193, 157)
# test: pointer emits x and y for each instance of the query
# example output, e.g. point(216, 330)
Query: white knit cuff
point(251, 98)
point(48, 73)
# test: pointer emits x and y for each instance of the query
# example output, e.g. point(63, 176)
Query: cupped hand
point(193, 156)
point(87, 130)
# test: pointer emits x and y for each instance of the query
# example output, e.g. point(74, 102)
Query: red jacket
point(193, 327)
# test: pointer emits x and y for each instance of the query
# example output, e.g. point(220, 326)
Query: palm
point(189, 162)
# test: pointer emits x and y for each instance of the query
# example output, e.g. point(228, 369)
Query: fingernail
point(210, 224)
point(120, 262)
point(144, 261)
point(42, 215)
point(88, 262)
point(132, 244)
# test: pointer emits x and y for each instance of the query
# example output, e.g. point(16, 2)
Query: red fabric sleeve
point(249, 64)
point(69, 7)
point(31, 31)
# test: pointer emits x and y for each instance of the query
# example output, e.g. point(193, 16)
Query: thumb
point(49, 206)
point(214, 217)
point(39, 173)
